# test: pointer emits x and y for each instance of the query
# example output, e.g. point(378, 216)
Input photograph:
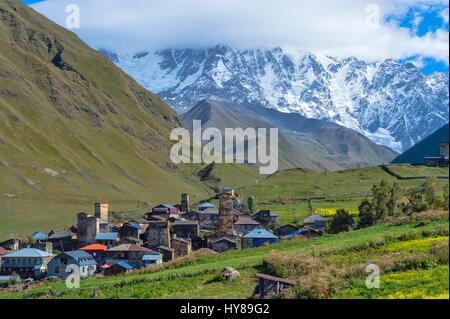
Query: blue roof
point(40, 236)
point(82, 257)
point(106, 236)
point(169, 206)
point(295, 233)
point(207, 205)
point(259, 214)
point(260, 233)
point(29, 252)
point(133, 225)
point(125, 265)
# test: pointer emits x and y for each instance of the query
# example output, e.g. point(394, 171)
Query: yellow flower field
point(418, 245)
point(332, 211)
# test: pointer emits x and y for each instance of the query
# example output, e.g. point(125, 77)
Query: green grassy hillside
point(302, 183)
point(75, 129)
point(332, 266)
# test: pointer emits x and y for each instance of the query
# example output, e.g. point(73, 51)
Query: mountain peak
point(393, 104)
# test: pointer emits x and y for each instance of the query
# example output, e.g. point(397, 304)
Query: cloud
point(341, 28)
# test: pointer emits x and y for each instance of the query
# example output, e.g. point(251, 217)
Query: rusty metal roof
point(276, 279)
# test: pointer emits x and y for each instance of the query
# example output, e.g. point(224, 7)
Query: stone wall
point(158, 234)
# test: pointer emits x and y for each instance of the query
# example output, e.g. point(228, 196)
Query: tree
point(251, 204)
point(393, 203)
point(415, 202)
point(341, 222)
point(380, 200)
point(430, 193)
point(445, 197)
point(366, 214)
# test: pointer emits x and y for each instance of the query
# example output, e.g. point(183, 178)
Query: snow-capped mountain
point(393, 104)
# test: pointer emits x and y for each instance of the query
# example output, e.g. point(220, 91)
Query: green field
point(289, 213)
point(343, 255)
point(407, 170)
point(55, 207)
point(300, 183)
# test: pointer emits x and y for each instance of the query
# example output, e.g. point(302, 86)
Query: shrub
point(341, 222)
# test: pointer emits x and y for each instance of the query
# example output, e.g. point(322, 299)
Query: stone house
point(284, 230)
point(167, 253)
point(11, 244)
point(244, 225)
point(128, 253)
point(63, 240)
point(181, 247)
point(158, 234)
point(107, 239)
point(86, 264)
point(88, 228)
point(130, 230)
point(315, 221)
point(186, 229)
point(117, 268)
point(208, 218)
point(223, 244)
point(267, 215)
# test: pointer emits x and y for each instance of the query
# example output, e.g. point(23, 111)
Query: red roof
point(4, 251)
point(237, 213)
point(132, 247)
point(94, 247)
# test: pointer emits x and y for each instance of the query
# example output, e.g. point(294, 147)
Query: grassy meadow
point(331, 266)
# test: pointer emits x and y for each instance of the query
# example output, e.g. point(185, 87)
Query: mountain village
point(97, 246)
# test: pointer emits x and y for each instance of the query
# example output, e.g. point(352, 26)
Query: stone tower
point(88, 228)
point(444, 149)
point(225, 222)
point(184, 203)
point(101, 211)
point(158, 234)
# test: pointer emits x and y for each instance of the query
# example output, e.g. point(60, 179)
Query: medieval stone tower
point(101, 211)
point(184, 203)
point(158, 234)
point(225, 222)
point(88, 227)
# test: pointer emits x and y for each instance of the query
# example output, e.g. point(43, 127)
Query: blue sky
point(414, 30)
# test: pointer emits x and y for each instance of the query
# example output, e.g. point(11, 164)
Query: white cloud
point(326, 26)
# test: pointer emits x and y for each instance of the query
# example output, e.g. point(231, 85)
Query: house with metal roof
point(166, 210)
point(129, 253)
point(117, 268)
point(151, 260)
point(208, 217)
point(39, 236)
point(244, 225)
point(205, 206)
point(66, 263)
point(107, 239)
point(97, 251)
point(257, 238)
point(267, 215)
point(27, 262)
point(284, 230)
point(315, 221)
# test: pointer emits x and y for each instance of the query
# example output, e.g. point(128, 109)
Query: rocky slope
point(303, 142)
